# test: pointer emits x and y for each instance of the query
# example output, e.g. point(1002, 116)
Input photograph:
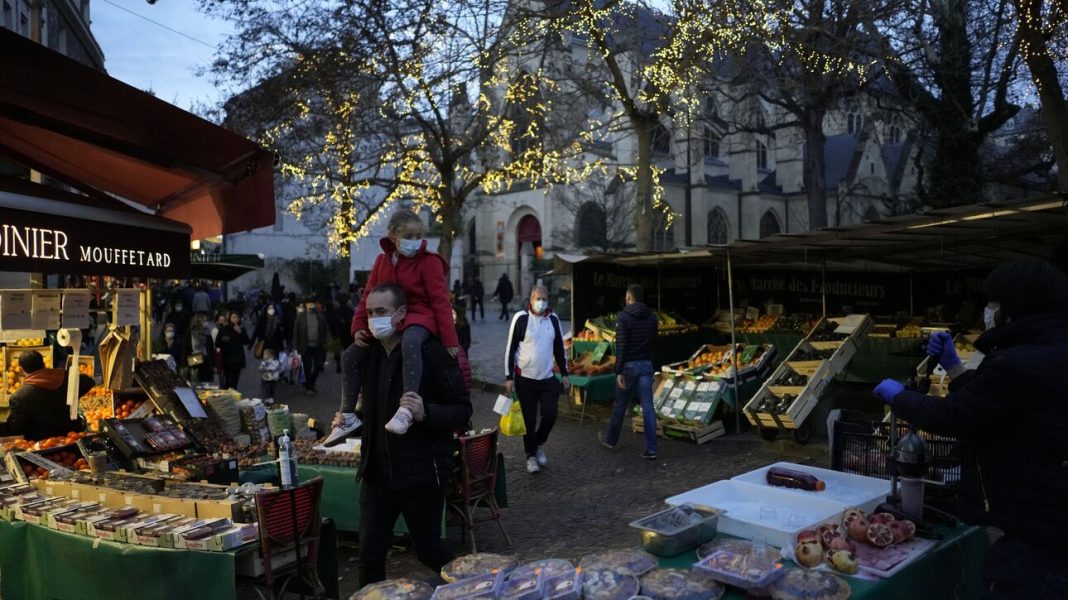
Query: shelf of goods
point(604, 327)
point(786, 398)
point(13, 375)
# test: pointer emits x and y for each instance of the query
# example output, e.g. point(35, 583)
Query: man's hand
point(566, 381)
point(621, 382)
point(414, 403)
point(454, 351)
point(508, 387)
point(361, 338)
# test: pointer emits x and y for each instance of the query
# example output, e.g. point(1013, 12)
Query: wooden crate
point(637, 425)
point(698, 434)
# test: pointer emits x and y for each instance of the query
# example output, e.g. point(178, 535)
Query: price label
point(45, 309)
point(103, 497)
point(157, 508)
point(599, 351)
point(15, 310)
point(129, 500)
point(127, 307)
point(75, 494)
point(76, 310)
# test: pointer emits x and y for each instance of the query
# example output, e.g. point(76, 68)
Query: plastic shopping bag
point(512, 423)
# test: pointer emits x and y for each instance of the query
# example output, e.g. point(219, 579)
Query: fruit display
point(825, 333)
point(587, 336)
point(127, 408)
point(837, 544)
point(760, 325)
point(793, 324)
point(58, 441)
point(307, 454)
point(791, 379)
point(28, 342)
point(775, 405)
point(583, 365)
point(667, 324)
point(910, 331)
point(810, 355)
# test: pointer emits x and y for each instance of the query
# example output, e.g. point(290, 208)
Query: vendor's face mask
point(992, 316)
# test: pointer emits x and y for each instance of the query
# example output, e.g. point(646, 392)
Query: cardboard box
point(128, 533)
point(153, 504)
point(84, 525)
point(169, 537)
point(69, 506)
point(196, 539)
point(68, 521)
point(221, 509)
point(238, 535)
point(108, 497)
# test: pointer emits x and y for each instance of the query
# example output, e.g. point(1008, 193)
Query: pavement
point(584, 500)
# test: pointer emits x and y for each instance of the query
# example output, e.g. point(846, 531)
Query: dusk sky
point(149, 56)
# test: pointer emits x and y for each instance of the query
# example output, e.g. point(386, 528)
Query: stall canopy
point(98, 134)
point(224, 267)
point(964, 237)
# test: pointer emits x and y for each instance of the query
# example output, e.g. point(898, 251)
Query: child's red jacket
point(424, 278)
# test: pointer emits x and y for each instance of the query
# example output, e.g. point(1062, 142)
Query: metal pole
point(823, 289)
point(734, 346)
point(689, 190)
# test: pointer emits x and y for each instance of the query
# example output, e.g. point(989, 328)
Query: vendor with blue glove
point(1014, 410)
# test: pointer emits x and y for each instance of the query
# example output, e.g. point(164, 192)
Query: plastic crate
point(863, 447)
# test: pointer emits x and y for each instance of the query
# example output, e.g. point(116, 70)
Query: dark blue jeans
point(637, 376)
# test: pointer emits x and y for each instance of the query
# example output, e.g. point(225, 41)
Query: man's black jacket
point(423, 455)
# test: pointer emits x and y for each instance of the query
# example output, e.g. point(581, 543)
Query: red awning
point(89, 130)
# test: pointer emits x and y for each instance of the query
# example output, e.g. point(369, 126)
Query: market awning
point(45, 230)
point(94, 132)
point(224, 267)
point(964, 237)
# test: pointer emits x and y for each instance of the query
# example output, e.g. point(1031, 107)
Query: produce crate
point(12, 373)
point(863, 447)
point(637, 425)
point(682, 367)
point(698, 434)
point(807, 398)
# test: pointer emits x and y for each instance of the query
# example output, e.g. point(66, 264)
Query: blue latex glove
point(941, 347)
point(888, 390)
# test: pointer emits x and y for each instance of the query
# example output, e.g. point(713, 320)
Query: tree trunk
point(815, 185)
point(643, 216)
point(1044, 72)
point(956, 170)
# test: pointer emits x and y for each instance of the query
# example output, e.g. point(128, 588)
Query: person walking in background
point(477, 294)
point(201, 301)
point(1013, 409)
point(231, 342)
point(270, 369)
point(535, 341)
point(635, 334)
point(336, 327)
point(457, 289)
point(463, 327)
point(310, 333)
point(504, 292)
point(179, 317)
point(422, 274)
point(169, 343)
point(270, 329)
point(200, 352)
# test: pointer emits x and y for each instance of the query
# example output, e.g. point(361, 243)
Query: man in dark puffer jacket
point(1014, 408)
point(405, 474)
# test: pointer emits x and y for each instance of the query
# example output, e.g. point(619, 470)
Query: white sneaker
point(349, 423)
point(400, 422)
point(532, 465)
point(540, 455)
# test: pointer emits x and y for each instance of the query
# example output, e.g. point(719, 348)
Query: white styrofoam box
point(846, 489)
point(753, 510)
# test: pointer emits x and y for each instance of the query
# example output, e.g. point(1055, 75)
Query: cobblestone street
point(584, 500)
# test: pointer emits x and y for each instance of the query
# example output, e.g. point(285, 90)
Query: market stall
point(782, 531)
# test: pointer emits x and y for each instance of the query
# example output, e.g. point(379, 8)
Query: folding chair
point(289, 522)
point(476, 484)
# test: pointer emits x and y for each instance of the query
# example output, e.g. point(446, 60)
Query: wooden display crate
point(807, 398)
point(637, 425)
point(698, 434)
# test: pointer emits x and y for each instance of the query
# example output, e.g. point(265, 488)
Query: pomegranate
point(843, 561)
point(808, 535)
point(851, 514)
point(808, 554)
point(827, 532)
point(841, 543)
point(882, 518)
point(880, 535)
point(858, 529)
point(902, 530)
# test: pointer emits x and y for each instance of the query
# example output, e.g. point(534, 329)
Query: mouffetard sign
point(115, 244)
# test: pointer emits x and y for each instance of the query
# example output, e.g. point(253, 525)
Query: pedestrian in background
point(504, 293)
point(270, 369)
point(310, 333)
point(201, 300)
point(535, 341)
point(635, 334)
point(231, 342)
point(478, 293)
